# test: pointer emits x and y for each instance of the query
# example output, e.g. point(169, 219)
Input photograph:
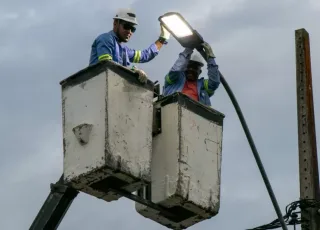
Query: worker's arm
point(159, 44)
point(213, 81)
point(163, 38)
point(146, 55)
point(142, 56)
point(105, 48)
point(179, 66)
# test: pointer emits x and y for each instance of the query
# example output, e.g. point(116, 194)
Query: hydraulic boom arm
point(55, 206)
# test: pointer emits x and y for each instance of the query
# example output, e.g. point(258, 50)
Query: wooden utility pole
point(308, 161)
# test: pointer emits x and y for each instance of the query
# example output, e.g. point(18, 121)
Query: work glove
point(208, 50)
point(142, 75)
point(164, 33)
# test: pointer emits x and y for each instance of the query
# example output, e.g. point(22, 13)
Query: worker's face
point(124, 30)
point(193, 71)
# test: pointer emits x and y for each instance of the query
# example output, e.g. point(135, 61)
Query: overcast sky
point(43, 42)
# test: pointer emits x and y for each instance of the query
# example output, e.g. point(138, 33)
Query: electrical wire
point(254, 151)
point(251, 143)
point(292, 217)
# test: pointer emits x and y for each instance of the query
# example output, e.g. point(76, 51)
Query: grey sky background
point(43, 42)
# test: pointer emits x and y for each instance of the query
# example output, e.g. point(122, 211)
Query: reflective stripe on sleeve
point(206, 87)
point(137, 56)
point(105, 57)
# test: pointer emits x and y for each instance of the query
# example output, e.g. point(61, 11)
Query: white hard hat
point(127, 15)
point(195, 57)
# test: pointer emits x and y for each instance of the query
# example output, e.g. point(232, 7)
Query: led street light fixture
point(181, 30)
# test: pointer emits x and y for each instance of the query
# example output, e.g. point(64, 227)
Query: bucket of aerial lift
point(107, 130)
point(186, 162)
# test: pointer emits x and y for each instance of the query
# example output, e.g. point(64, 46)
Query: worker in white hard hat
point(110, 45)
point(184, 76)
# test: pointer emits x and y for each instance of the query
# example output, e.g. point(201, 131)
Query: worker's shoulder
point(176, 74)
point(108, 36)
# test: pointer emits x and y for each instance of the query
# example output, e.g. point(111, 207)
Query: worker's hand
point(142, 76)
point(208, 50)
point(164, 33)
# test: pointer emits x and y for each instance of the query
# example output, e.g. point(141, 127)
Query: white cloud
point(197, 14)
point(46, 160)
point(31, 13)
point(10, 16)
point(314, 4)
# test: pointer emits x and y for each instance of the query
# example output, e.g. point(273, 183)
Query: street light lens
point(177, 25)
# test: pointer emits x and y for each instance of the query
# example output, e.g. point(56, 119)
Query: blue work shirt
point(176, 78)
point(107, 47)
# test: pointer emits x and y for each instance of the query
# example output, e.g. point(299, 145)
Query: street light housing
point(181, 30)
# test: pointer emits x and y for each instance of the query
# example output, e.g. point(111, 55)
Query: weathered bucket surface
point(107, 130)
point(186, 163)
